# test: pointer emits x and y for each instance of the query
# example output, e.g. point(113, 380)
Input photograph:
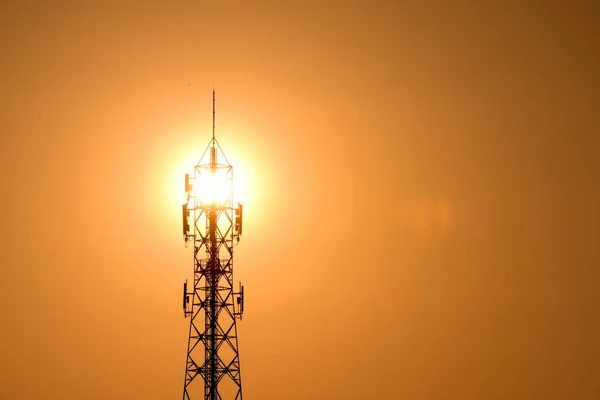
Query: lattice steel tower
point(213, 364)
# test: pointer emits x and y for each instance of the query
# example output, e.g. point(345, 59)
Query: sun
point(213, 187)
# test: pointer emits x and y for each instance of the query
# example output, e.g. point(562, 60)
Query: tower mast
point(212, 355)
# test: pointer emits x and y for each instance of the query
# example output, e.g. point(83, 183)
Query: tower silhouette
point(212, 367)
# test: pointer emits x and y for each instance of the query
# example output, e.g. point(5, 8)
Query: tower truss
point(212, 366)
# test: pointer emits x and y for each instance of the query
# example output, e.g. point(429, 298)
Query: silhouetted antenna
point(212, 368)
point(213, 116)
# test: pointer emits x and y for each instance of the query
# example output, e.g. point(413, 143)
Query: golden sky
point(419, 179)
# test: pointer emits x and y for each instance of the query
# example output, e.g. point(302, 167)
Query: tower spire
point(213, 115)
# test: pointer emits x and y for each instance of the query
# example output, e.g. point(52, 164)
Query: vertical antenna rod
point(213, 115)
point(213, 150)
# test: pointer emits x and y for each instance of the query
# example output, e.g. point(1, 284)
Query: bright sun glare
point(212, 187)
point(243, 185)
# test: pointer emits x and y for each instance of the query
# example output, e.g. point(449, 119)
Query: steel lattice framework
point(212, 355)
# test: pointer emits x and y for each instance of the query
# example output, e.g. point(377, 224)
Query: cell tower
point(213, 364)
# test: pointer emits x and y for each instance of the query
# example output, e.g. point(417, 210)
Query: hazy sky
point(420, 181)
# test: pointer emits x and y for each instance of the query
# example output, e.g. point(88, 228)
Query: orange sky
point(421, 201)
